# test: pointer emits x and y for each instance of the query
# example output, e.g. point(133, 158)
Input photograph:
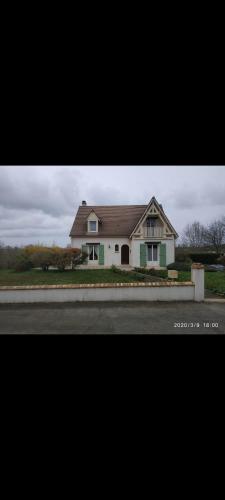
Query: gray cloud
point(214, 193)
point(38, 188)
point(185, 198)
point(39, 203)
point(109, 195)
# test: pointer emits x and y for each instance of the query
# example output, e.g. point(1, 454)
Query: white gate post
point(197, 276)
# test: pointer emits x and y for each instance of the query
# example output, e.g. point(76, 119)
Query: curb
point(219, 301)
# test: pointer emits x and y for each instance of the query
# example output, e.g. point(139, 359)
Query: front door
point(125, 254)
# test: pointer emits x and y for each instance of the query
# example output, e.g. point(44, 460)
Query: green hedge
point(136, 276)
point(152, 272)
point(205, 258)
point(180, 266)
point(182, 257)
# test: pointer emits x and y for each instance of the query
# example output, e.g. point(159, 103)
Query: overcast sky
point(38, 204)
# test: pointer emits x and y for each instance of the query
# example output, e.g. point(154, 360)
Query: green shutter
point(101, 255)
point(143, 256)
point(85, 250)
point(162, 255)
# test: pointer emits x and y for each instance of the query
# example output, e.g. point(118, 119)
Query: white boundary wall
point(135, 292)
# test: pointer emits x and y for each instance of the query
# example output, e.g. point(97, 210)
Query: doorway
point(125, 254)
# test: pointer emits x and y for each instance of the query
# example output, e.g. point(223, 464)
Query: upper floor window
point(92, 226)
point(116, 248)
point(151, 222)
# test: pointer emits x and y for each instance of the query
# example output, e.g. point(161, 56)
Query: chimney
point(84, 202)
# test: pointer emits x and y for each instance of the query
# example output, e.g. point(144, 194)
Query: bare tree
point(215, 234)
point(194, 235)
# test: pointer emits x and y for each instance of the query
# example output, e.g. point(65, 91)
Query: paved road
point(90, 318)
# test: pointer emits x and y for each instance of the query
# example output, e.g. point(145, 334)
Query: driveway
point(113, 317)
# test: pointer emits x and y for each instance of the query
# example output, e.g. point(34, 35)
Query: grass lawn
point(213, 281)
point(38, 277)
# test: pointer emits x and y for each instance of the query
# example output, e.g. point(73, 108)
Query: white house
point(135, 235)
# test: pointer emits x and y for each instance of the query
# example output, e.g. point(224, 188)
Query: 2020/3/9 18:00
point(196, 325)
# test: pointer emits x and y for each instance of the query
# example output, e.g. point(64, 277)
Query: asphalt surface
point(113, 318)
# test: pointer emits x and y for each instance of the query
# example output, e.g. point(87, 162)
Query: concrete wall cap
point(197, 265)
point(99, 285)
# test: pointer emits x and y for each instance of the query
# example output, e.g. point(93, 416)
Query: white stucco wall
point(111, 257)
point(170, 250)
point(138, 292)
point(135, 250)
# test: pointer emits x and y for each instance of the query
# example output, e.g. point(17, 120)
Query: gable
point(154, 209)
point(93, 216)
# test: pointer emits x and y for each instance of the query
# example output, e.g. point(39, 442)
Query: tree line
point(199, 235)
point(39, 256)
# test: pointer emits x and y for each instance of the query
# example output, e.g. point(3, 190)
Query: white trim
point(92, 231)
point(153, 262)
point(161, 212)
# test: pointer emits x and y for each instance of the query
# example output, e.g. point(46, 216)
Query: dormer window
point(92, 226)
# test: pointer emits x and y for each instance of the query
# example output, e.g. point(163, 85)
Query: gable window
point(116, 248)
point(152, 253)
point(151, 222)
point(92, 226)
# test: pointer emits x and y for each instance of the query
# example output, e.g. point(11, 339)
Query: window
point(92, 226)
point(152, 253)
point(116, 248)
point(93, 251)
point(151, 222)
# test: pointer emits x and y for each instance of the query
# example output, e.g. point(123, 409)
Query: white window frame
point(89, 226)
point(153, 244)
point(93, 247)
point(117, 251)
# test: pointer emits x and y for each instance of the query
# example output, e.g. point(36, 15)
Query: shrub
point(68, 257)
point(61, 259)
point(8, 256)
point(182, 257)
point(180, 266)
point(205, 258)
point(143, 270)
point(43, 259)
point(221, 260)
point(30, 250)
point(134, 275)
point(77, 257)
point(22, 263)
point(115, 269)
point(152, 272)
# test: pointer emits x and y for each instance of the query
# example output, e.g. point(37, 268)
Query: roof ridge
point(104, 206)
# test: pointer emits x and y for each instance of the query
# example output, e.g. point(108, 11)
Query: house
point(135, 235)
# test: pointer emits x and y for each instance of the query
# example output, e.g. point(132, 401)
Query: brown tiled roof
point(116, 220)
